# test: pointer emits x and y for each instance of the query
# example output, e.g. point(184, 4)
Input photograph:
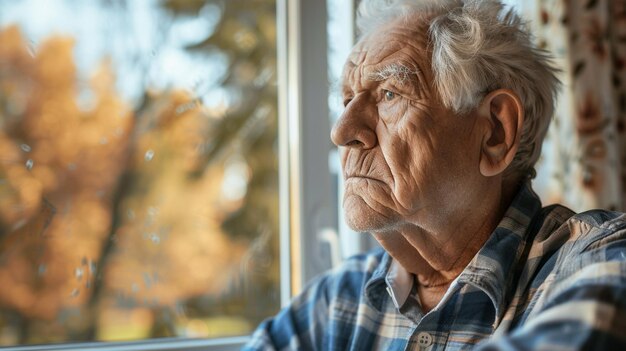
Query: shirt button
point(424, 339)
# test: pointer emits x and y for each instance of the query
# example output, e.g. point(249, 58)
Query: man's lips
point(362, 177)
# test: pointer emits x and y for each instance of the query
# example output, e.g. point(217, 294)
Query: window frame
point(160, 344)
point(311, 214)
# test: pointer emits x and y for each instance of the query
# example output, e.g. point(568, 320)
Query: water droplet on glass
point(29, 164)
point(149, 155)
point(92, 267)
point(88, 284)
point(134, 287)
point(75, 293)
point(31, 48)
point(83, 261)
point(78, 272)
point(19, 224)
point(41, 270)
point(71, 166)
point(25, 147)
point(153, 211)
point(156, 240)
point(186, 107)
point(130, 214)
point(146, 280)
point(104, 141)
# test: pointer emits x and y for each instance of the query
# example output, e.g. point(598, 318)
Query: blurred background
point(138, 169)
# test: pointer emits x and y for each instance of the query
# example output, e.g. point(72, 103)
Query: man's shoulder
point(595, 229)
point(601, 219)
point(569, 243)
point(600, 239)
point(589, 242)
point(582, 255)
point(563, 225)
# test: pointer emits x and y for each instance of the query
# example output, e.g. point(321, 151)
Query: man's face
point(406, 158)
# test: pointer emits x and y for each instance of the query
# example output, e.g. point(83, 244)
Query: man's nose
point(356, 125)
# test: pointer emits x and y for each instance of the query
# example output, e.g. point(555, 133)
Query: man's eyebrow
point(399, 72)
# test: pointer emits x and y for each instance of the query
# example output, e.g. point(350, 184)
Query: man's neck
point(436, 253)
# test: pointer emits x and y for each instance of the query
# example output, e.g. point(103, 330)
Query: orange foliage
point(170, 245)
point(61, 178)
point(60, 168)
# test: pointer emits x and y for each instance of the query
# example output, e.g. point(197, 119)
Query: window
point(139, 176)
point(164, 173)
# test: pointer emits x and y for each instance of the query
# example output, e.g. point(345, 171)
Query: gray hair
point(477, 47)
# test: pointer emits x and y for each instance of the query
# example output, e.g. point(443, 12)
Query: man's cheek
point(406, 186)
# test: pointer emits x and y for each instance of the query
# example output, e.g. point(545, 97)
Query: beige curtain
point(584, 157)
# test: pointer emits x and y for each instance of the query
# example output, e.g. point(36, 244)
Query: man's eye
point(346, 101)
point(389, 95)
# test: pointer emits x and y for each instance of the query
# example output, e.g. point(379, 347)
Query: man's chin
point(360, 217)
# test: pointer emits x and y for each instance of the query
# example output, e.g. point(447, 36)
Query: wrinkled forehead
point(403, 41)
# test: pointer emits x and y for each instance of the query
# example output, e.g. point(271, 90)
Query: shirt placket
point(420, 337)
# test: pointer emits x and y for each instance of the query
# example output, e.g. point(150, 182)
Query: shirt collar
point(399, 283)
point(376, 285)
point(493, 270)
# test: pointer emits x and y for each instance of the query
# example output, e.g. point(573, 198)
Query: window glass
point(138, 169)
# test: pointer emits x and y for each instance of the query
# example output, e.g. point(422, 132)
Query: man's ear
point(504, 114)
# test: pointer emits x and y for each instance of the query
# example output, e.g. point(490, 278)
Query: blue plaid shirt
point(546, 279)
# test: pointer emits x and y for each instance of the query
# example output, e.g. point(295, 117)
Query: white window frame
point(160, 344)
point(311, 212)
point(306, 211)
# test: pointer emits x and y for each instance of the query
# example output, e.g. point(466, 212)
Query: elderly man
point(446, 105)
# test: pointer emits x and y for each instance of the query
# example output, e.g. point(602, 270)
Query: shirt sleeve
point(299, 326)
point(588, 313)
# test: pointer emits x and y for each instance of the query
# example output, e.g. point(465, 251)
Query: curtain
point(583, 162)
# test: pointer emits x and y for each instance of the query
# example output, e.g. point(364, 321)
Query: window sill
point(163, 344)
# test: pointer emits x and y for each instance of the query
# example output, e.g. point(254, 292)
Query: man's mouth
point(361, 176)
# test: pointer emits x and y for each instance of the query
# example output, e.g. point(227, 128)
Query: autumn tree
point(162, 212)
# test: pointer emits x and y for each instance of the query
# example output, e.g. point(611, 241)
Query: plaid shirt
point(546, 279)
